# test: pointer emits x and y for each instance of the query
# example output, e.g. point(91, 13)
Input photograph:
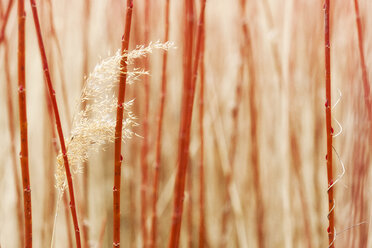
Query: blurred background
point(264, 124)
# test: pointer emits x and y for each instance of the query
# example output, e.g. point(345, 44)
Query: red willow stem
point(153, 231)
point(367, 97)
point(5, 20)
point(119, 124)
point(187, 106)
point(145, 143)
point(331, 202)
point(202, 231)
point(23, 123)
point(18, 187)
point(56, 150)
point(57, 119)
point(182, 148)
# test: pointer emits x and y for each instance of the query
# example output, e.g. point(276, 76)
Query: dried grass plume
point(94, 125)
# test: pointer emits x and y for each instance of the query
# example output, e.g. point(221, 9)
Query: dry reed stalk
point(187, 107)
point(102, 232)
point(119, 124)
point(360, 168)
point(49, 199)
point(329, 130)
point(316, 85)
point(234, 134)
point(273, 45)
point(132, 190)
point(68, 221)
point(360, 162)
point(5, 20)
point(53, 34)
point(85, 205)
point(145, 143)
point(57, 119)
point(367, 97)
point(232, 152)
point(55, 148)
point(296, 164)
point(232, 155)
point(23, 124)
point(295, 154)
point(254, 153)
point(153, 230)
point(85, 36)
point(202, 226)
point(135, 147)
point(18, 187)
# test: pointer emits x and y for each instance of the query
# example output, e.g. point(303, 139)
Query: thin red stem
point(23, 123)
point(331, 233)
point(119, 125)
point(187, 107)
point(57, 119)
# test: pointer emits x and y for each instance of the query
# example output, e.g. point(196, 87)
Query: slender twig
point(23, 123)
point(153, 231)
point(57, 119)
point(187, 107)
point(119, 125)
point(331, 201)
